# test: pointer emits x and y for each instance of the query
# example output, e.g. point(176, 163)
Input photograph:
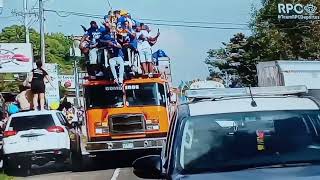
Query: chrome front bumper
point(123, 145)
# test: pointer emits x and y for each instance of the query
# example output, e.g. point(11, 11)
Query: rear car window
point(31, 122)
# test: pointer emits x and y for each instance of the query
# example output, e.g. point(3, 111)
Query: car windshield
point(250, 139)
point(31, 122)
point(104, 96)
point(145, 94)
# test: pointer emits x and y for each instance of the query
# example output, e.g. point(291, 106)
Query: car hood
point(292, 173)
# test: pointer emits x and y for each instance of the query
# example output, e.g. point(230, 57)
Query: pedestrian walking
point(38, 85)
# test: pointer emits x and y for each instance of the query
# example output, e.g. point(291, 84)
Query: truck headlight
point(152, 125)
point(101, 128)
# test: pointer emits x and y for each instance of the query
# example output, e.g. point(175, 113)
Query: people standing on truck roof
point(38, 85)
point(106, 25)
point(94, 34)
point(125, 37)
point(115, 55)
point(144, 48)
point(120, 16)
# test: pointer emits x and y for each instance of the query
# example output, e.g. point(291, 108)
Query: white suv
point(36, 137)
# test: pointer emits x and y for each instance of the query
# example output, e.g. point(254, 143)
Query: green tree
point(271, 39)
point(285, 39)
point(237, 58)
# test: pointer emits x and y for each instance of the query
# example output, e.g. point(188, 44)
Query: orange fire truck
point(129, 117)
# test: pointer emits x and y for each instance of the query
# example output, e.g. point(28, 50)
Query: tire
point(76, 158)
point(76, 162)
point(24, 170)
point(8, 169)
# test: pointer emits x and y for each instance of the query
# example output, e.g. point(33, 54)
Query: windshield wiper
point(283, 165)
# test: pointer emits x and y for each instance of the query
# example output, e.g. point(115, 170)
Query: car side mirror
point(148, 167)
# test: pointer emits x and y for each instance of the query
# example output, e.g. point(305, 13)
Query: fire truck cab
point(132, 116)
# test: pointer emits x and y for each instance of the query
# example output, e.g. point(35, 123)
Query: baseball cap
point(123, 12)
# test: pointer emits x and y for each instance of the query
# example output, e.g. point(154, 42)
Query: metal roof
point(244, 105)
point(299, 65)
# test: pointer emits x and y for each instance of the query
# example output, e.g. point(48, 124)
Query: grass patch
point(5, 177)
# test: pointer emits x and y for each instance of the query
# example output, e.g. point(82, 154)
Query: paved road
point(116, 168)
point(112, 174)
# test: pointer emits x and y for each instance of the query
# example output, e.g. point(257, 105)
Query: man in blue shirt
point(115, 56)
point(93, 33)
point(89, 43)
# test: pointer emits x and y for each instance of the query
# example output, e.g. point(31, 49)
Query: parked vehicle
point(37, 137)
point(290, 73)
point(243, 132)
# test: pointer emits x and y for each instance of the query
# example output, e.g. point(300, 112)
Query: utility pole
point(75, 71)
point(25, 14)
point(76, 82)
point(42, 37)
point(1, 6)
point(25, 10)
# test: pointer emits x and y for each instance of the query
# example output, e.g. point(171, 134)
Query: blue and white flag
point(158, 54)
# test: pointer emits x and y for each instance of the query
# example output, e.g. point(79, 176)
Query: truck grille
point(126, 124)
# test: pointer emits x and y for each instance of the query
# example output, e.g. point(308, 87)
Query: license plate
point(30, 139)
point(127, 145)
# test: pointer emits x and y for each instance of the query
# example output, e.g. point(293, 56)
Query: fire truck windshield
point(145, 94)
point(104, 96)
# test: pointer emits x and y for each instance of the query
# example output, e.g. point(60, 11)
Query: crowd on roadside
point(23, 101)
point(122, 36)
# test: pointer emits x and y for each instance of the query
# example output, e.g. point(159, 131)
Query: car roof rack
point(218, 93)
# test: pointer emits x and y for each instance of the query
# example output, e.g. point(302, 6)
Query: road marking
point(115, 174)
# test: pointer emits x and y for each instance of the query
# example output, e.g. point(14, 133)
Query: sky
point(187, 47)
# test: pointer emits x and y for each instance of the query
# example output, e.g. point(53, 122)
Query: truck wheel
point(76, 156)
point(76, 162)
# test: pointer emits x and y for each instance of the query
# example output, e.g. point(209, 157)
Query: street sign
point(16, 57)
point(63, 79)
point(52, 93)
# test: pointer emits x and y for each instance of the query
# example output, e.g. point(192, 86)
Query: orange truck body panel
point(151, 112)
point(98, 115)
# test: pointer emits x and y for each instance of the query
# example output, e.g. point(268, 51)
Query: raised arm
point(154, 38)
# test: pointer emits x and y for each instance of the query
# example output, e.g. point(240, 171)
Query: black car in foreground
point(276, 137)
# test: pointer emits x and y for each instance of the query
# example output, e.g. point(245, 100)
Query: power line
point(69, 13)
point(4, 17)
point(109, 5)
point(194, 22)
point(196, 26)
point(35, 4)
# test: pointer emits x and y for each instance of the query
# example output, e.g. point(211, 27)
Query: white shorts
point(145, 55)
point(93, 57)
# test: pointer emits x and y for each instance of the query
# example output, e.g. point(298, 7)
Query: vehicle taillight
point(9, 133)
point(56, 129)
